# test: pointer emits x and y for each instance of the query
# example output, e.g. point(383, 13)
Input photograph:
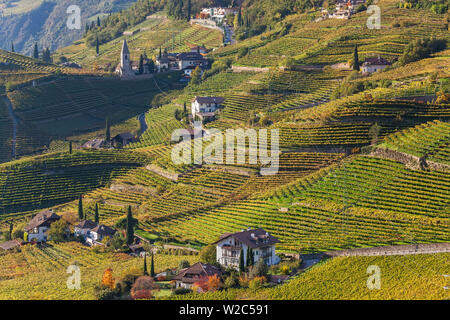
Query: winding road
point(15, 123)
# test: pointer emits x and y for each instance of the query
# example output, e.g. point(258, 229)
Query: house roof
point(104, 230)
point(43, 218)
point(197, 271)
point(207, 100)
point(255, 238)
point(189, 56)
point(10, 244)
point(95, 143)
point(86, 224)
point(376, 61)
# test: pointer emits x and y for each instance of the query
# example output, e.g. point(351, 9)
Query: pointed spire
point(125, 49)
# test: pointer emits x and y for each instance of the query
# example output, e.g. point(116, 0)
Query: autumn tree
point(107, 279)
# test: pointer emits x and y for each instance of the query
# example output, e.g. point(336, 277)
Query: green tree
point(96, 217)
point(241, 261)
point(249, 254)
point(98, 22)
point(152, 267)
point(107, 131)
point(145, 265)
point(260, 269)
point(141, 64)
point(70, 147)
point(36, 51)
point(189, 10)
point(355, 59)
point(12, 47)
point(80, 208)
point(208, 254)
point(196, 76)
point(97, 46)
point(58, 230)
point(130, 227)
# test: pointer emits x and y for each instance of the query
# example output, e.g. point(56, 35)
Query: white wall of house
point(39, 234)
point(203, 107)
point(372, 68)
point(223, 255)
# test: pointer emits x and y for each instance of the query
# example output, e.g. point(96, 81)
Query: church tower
point(125, 62)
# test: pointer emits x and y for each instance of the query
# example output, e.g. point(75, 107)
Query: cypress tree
point(80, 208)
point(249, 254)
point(239, 19)
point(152, 267)
point(12, 47)
point(70, 147)
point(141, 64)
point(145, 265)
point(252, 258)
point(97, 47)
point(107, 131)
point(96, 217)
point(36, 51)
point(189, 10)
point(355, 59)
point(98, 22)
point(10, 230)
point(241, 261)
point(130, 227)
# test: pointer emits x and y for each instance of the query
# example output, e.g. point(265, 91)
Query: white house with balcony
point(206, 105)
point(39, 225)
point(261, 242)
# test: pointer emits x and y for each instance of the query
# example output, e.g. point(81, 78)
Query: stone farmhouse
point(375, 64)
point(189, 276)
point(38, 226)
point(261, 242)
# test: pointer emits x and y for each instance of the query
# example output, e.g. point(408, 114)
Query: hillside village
point(88, 178)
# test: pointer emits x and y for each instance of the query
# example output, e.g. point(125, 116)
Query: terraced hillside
point(413, 277)
point(42, 270)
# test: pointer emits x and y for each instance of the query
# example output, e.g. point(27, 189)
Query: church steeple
point(125, 56)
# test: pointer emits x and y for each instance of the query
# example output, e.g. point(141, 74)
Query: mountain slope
point(46, 23)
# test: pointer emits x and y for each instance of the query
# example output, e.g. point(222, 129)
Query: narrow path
point(143, 122)
point(15, 123)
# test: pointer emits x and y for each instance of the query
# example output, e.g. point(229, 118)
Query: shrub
point(180, 291)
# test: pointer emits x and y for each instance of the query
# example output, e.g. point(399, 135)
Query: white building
point(372, 65)
point(84, 228)
point(261, 242)
point(206, 104)
point(99, 233)
point(93, 232)
point(189, 59)
point(39, 225)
